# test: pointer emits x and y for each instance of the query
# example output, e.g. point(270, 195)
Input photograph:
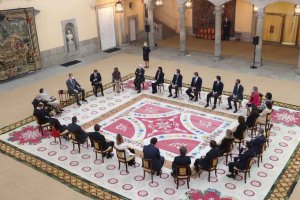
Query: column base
point(297, 70)
point(217, 58)
point(258, 63)
point(183, 53)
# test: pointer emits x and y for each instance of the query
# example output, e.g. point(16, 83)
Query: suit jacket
point(140, 74)
point(77, 130)
point(254, 99)
point(239, 132)
point(98, 137)
point(238, 91)
point(152, 152)
point(218, 87)
point(225, 144)
point(243, 158)
point(213, 153)
point(257, 142)
point(95, 80)
point(53, 121)
point(197, 84)
point(177, 81)
point(159, 78)
point(72, 85)
point(181, 161)
point(251, 119)
point(40, 116)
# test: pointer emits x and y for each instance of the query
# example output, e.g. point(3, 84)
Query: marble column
point(150, 6)
point(182, 29)
point(218, 32)
point(259, 33)
point(297, 70)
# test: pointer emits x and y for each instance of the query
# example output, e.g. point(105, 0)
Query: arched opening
point(281, 25)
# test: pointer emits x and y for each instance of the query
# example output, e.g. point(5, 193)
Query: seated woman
point(238, 133)
point(263, 115)
point(49, 100)
point(250, 121)
point(268, 97)
point(159, 79)
point(120, 145)
point(116, 79)
point(254, 99)
point(226, 141)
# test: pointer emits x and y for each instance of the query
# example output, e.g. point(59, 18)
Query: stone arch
point(218, 2)
point(264, 3)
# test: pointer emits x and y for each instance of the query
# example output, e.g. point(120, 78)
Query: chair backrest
point(63, 96)
point(182, 170)
point(261, 149)
point(269, 116)
point(121, 155)
point(213, 163)
point(249, 163)
point(147, 164)
point(97, 145)
point(73, 136)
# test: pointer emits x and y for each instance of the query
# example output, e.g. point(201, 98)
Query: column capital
point(149, 4)
point(181, 2)
point(218, 10)
point(260, 13)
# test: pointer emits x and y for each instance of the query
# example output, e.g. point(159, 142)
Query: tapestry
point(19, 48)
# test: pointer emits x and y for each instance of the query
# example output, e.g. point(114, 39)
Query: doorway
point(132, 29)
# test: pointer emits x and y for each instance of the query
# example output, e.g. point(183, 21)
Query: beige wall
point(281, 7)
point(136, 10)
point(243, 16)
point(52, 12)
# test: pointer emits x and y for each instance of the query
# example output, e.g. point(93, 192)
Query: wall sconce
point(159, 3)
point(297, 9)
point(119, 7)
point(255, 8)
point(188, 4)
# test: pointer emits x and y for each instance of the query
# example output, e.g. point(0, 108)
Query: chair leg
point(226, 159)
point(216, 172)
point(144, 175)
point(126, 167)
point(177, 183)
point(55, 139)
point(96, 155)
point(258, 161)
point(59, 140)
point(245, 177)
point(119, 165)
point(188, 183)
point(79, 148)
point(151, 177)
point(102, 157)
point(73, 146)
point(208, 176)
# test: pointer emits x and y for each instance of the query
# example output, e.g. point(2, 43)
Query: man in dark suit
point(139, 78)
point(176, 83)
point(258, 141)
point(204, 162)
point(77, 130)
point(241, 161)
point(159, 79)
point(237, 95)
point(152, 152)
point(105, 144)
point(96, 81)
point(74, 88)
point(195, 88)
point(216, 92)
point(39, 113)
point(181, 160)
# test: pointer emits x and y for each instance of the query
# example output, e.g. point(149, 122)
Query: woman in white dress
point(120, 145)
point(263, 115)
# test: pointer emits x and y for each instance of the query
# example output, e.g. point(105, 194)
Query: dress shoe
point(61, 109)
point(79, 104)
point(196, 99)
point(96, 95)
point(175, 96)
point(191, 98)
point(235, 111)
point(170, 95)
point(110, 156)
point(206, 105)
point(84, 100)
point(139, 91)
point(214, 107)
point(229, 108)
point(230, 175)
point(102, 94)
point(157, 173)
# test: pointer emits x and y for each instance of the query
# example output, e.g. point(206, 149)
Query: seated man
point(77, 130)
point(105, 144)
point(55, 122)
point(196, 85)
point(40, 115)
point(204, 162)
point(263, 105)
point(237, 95)
point(159, 79)
point(181, 160)
point(96, 81)
point(139, 78)
point(216, 92)
point(176, 83)
point(74, 88)
point(226, 142)
point(258, 141)
point(241, 161)
point(49, 100)
point(152, 152)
